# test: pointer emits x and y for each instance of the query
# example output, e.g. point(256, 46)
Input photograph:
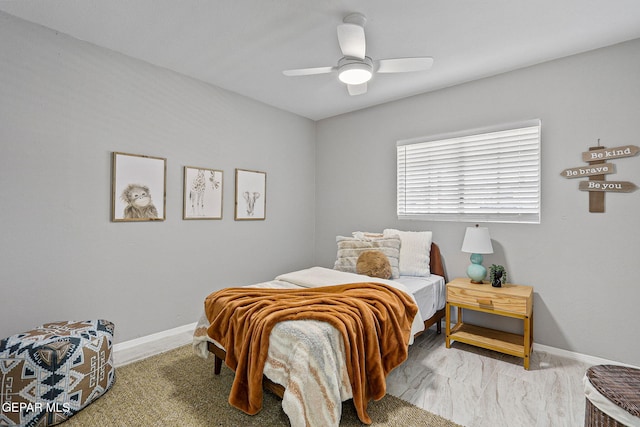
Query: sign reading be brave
point(603, 169)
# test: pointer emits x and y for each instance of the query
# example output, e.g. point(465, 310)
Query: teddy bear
point(374, 264)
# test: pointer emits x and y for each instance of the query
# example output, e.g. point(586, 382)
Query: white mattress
point(429, 292)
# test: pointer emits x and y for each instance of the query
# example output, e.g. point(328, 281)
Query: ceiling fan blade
point(404, 65)
point(351, 40)
point(308, 71)
point(357, 89)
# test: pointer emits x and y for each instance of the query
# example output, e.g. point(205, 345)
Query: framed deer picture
point(251, 195)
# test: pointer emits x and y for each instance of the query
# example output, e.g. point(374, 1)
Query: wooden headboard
point(436, 265)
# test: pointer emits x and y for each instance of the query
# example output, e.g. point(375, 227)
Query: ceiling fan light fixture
point(355, 72)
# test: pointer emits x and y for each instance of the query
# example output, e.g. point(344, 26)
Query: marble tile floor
point(481, 388)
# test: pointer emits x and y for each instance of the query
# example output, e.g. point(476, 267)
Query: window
point(483, 175)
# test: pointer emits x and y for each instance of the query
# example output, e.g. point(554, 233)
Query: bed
point(300, 347)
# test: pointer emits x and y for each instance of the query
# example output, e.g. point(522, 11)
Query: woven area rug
point(178, 388)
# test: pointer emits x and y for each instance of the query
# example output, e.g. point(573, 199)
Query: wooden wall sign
point(581, 172)
point(596, 199)
point(600, 153)
point(614, 186)
point(597, 171)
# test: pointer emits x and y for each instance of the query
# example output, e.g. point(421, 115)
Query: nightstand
point(510, 300)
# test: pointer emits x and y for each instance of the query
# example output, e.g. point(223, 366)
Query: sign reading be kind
point(610, 153)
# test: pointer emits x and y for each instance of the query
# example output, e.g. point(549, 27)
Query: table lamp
point(477, 242)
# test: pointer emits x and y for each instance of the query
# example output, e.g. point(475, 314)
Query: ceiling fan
point(355, 69)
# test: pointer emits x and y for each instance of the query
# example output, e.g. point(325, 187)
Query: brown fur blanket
point(374, 320)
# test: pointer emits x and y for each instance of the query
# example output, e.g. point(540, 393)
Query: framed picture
point(251, 195)
point(138, 188)
point(202, 193)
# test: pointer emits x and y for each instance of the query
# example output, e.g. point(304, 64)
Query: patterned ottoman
point(52, 372)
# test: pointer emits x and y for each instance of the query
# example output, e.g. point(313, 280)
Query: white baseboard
point(150, 345)
point(579, 357)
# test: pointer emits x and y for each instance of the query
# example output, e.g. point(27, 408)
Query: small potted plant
point(497, 275)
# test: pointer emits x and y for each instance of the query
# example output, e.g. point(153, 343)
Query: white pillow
point(415, 251)
point(350, 248)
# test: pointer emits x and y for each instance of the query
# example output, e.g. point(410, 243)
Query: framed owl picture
point(138, 188)
point(202, 193)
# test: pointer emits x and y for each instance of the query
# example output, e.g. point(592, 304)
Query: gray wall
point(584, 266)
point(65, 106)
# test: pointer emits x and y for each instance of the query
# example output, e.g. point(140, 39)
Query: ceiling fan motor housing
point(355, 71)
point(356, 19)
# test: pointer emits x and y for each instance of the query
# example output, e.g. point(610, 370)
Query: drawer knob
point(484, 301)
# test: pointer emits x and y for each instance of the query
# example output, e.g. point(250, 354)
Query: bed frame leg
point(217, 366)
point(439, 327)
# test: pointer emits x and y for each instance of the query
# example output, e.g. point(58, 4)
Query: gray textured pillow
point(350, 248)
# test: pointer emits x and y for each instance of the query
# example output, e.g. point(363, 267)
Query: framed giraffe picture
point(202, 193)
point(138, 188)
point(251, 195)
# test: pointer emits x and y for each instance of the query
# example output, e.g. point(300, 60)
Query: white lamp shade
point(477, 241)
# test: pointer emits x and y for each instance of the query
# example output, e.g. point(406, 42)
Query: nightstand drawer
point(487, 299)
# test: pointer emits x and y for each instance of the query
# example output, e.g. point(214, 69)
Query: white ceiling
point(243, 45)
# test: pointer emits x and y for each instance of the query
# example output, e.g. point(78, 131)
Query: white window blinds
point(486, 175)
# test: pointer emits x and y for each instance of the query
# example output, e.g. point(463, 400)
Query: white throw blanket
point(307, 357)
